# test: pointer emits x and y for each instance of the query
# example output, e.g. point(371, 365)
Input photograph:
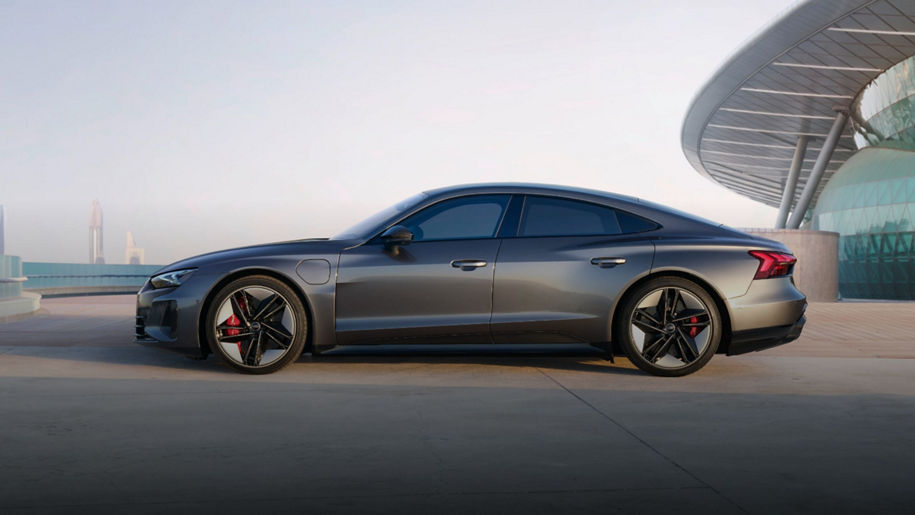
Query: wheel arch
point(716, 295)
point(245, 272)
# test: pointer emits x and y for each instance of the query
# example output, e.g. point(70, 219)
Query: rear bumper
point(759, 339)
point(770, 313)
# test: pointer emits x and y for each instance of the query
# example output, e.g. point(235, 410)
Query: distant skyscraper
point(95, 234)
point(1, 229)
point(134, 255)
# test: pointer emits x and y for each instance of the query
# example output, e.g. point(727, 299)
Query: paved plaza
point(91, 422)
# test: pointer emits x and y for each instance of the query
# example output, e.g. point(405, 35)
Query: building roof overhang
point(788, 80)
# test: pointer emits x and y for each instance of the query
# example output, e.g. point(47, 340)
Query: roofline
point(796, 24)
point(660, 213)
point(527, 188)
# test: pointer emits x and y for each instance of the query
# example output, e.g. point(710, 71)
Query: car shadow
point(570, 357)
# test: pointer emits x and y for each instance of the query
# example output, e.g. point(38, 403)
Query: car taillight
point(773, 264)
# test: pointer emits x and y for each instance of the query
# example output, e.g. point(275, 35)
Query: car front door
point(556, 280)
point(436, 288)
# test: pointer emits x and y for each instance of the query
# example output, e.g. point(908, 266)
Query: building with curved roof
point(815, 115)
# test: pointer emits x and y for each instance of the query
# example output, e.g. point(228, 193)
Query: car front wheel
point(669, 326)
point(257, 324)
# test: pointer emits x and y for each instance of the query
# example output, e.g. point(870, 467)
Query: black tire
point(294, 312)
point(681, 344)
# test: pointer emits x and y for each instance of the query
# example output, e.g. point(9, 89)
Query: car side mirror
point(397, 235)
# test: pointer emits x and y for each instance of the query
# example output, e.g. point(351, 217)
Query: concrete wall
point(817, 270)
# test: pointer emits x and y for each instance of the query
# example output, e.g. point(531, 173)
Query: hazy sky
point(205, 125)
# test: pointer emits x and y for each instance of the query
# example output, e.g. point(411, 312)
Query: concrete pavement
point(103, 425)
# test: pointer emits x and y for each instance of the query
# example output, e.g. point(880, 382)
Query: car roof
point(528, 188)
point(660, 213)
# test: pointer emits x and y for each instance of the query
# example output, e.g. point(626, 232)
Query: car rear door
point(558, 275)
point(435, 289)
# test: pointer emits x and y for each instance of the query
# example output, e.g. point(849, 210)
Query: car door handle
point(608, 262)
point(468, 264)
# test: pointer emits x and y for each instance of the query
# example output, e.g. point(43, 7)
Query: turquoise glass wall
point(870, 202)
point(63, 275)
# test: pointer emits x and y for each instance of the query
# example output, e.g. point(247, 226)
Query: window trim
point(605, 206)
point(512, 217)
point(496, 235)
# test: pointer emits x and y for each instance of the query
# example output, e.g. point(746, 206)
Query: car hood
point(285, 248)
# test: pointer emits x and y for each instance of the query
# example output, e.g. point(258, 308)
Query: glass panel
point(461, 218)
point(882, 115)
point(630, 223)
point(884, 195)
point(898, 191)
point(546, 216)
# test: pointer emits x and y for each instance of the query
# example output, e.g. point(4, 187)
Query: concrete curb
point(20, 307)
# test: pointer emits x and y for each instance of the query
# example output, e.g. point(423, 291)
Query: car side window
point(631, 224)
point(547, 216)
point(471, 217)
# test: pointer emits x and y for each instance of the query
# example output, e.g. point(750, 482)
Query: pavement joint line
point(644, 442)
point(360, 496)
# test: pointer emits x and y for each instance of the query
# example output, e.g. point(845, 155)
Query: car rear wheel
point(669, 326)
point(257, 325)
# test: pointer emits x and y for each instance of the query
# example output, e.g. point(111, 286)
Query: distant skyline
point(206, 125)
point(96, 234)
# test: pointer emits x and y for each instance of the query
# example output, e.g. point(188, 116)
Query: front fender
point(315, 285)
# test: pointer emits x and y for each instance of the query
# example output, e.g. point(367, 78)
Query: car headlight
point(170, 279)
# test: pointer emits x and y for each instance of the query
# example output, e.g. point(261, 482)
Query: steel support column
point(797, 216)
point(791, 184)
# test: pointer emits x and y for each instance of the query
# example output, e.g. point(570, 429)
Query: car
point(487, 263)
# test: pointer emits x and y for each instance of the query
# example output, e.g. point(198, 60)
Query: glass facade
point(870, 202)
point(884, 113)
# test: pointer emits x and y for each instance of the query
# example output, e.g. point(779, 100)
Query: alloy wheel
point(671, 327)
point(255, 326)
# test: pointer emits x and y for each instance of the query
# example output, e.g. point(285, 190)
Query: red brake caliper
point(233, 321)
point(694, 330)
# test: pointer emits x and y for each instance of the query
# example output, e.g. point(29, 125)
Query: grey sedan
point(493, 264)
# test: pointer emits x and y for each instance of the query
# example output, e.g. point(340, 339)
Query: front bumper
point(168, 320)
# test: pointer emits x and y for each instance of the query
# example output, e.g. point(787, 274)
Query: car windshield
point(363, 228)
